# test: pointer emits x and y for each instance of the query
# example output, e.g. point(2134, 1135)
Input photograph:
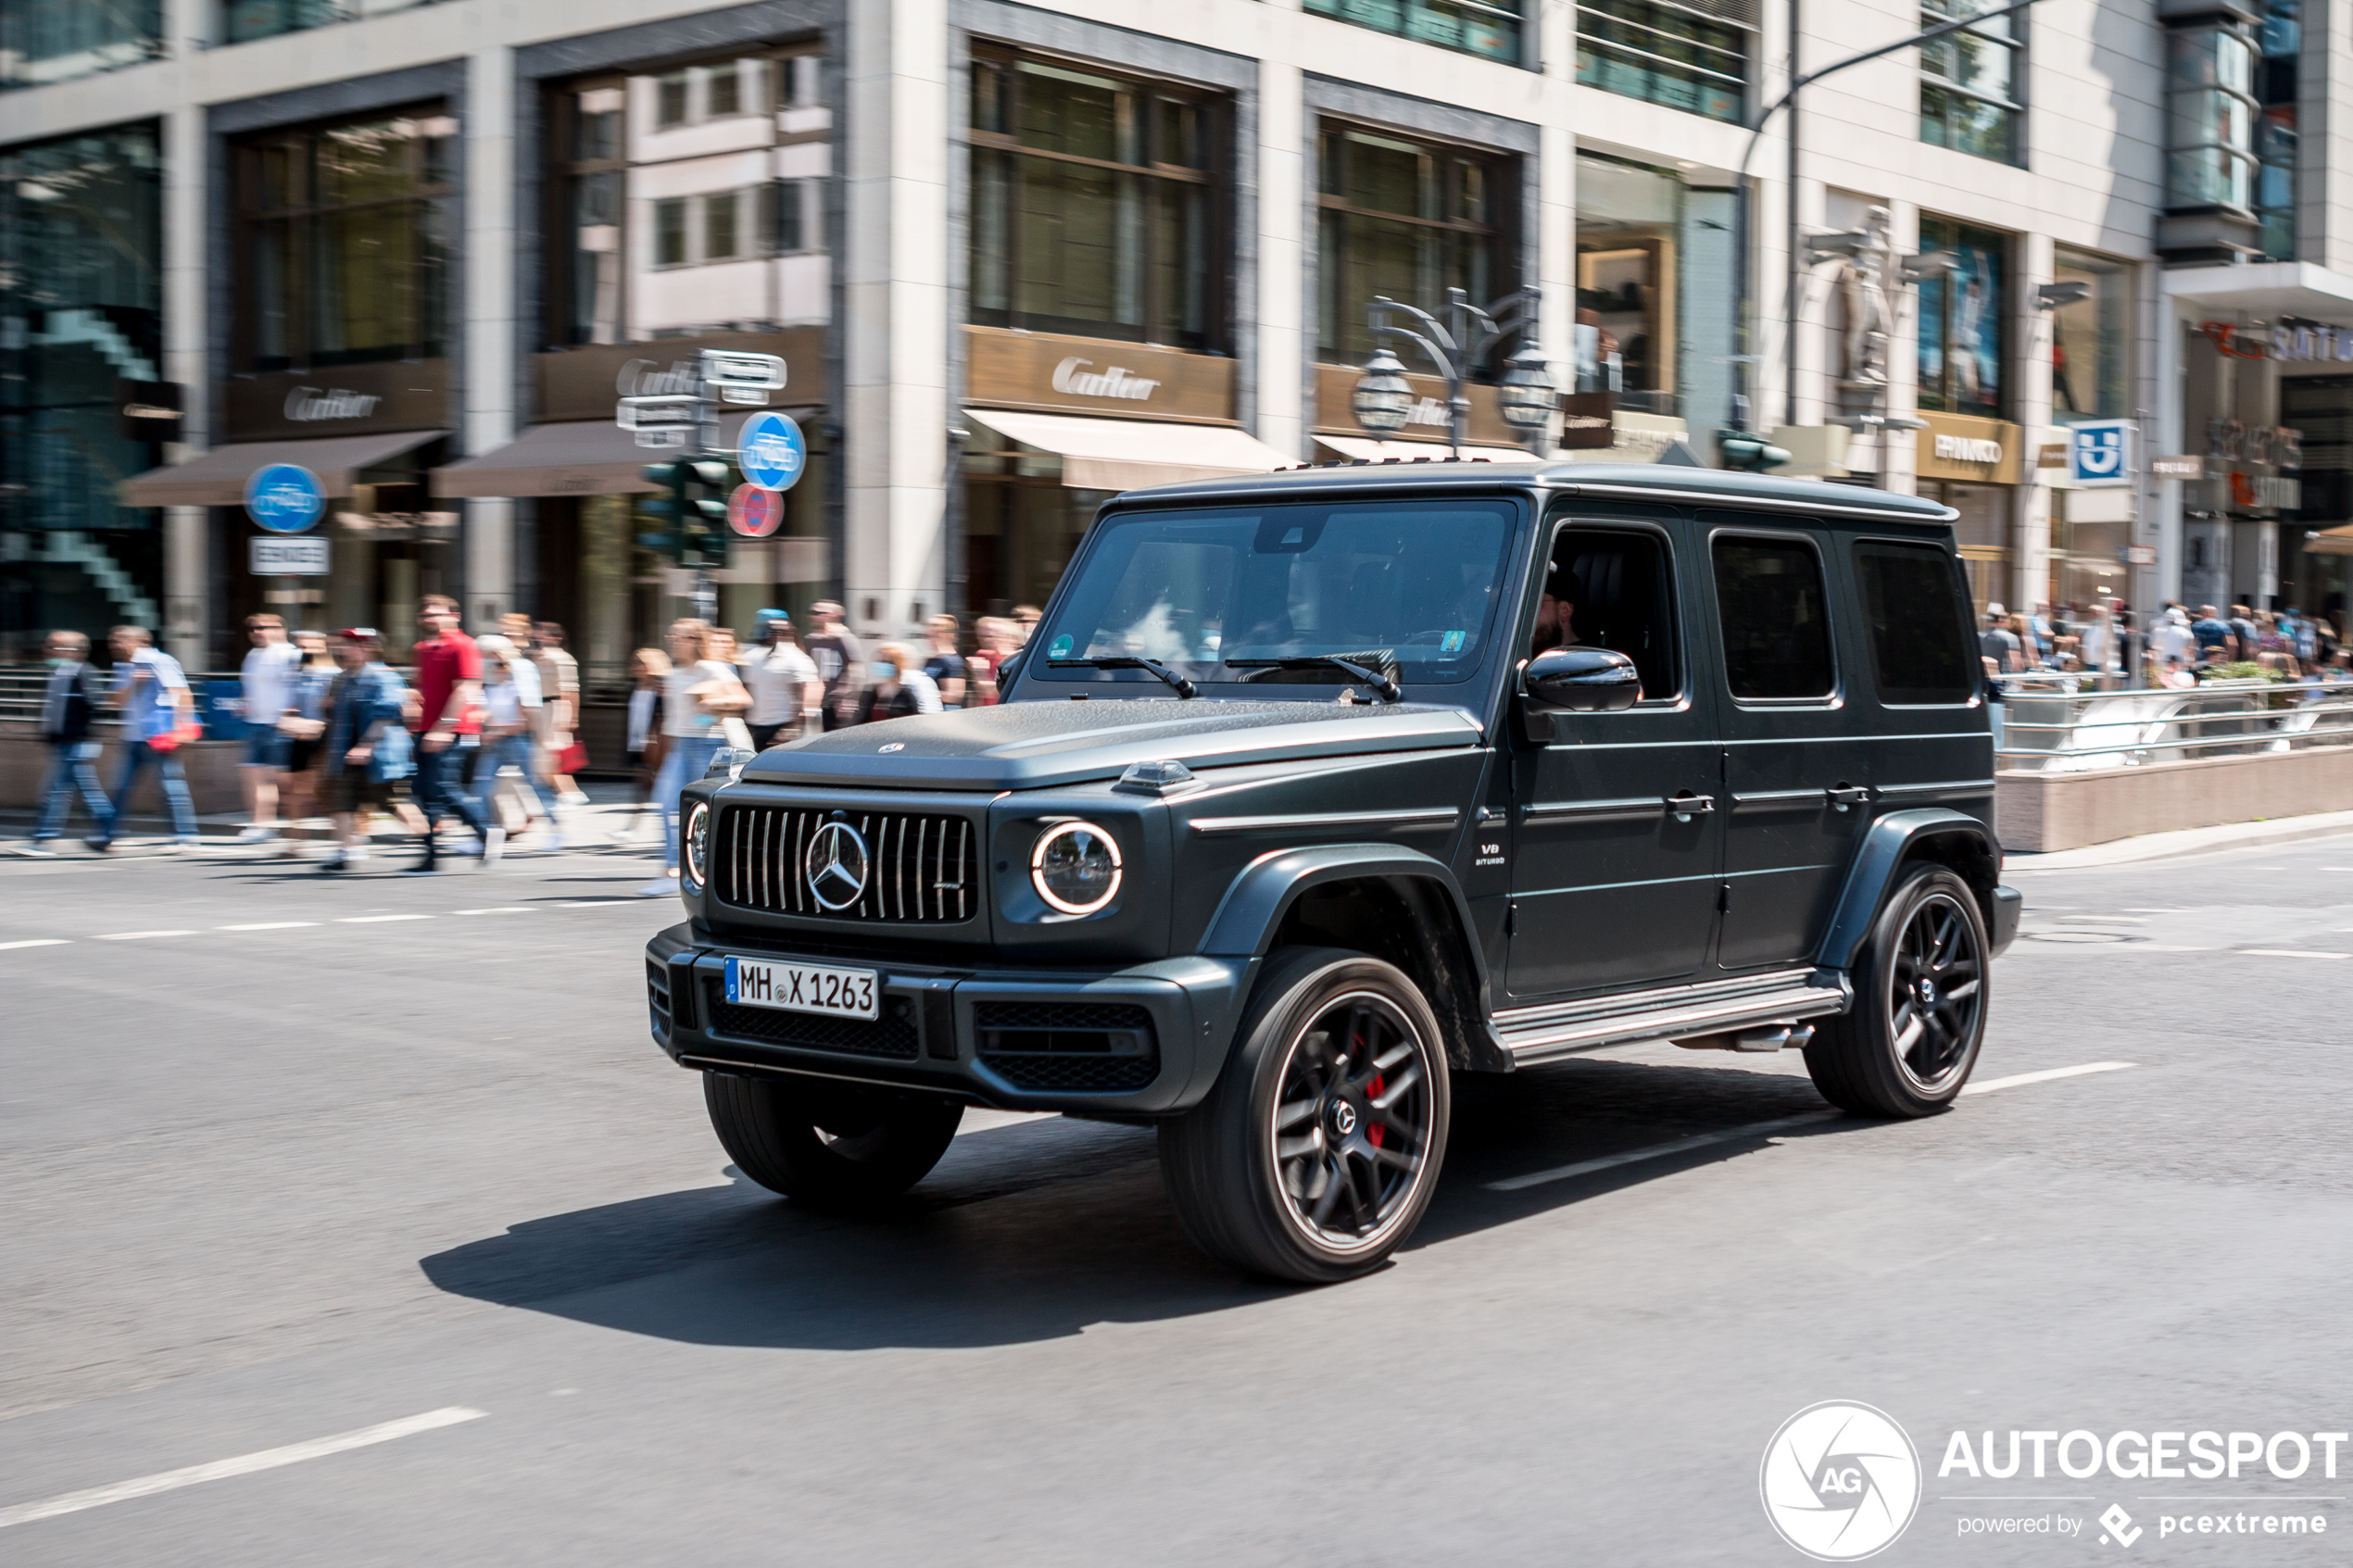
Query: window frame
point(1215, 178)
point(1465, 12)
point(1836, 695)
point(1686, 690)
point(2014, 41)
point(1658, 62)
point(1956, 583)
point(1942, 397)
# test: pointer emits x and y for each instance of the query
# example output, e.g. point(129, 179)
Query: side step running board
point(1671, 1012)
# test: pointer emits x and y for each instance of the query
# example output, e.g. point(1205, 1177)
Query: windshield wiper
point(1123, 662)
point(1388, 689)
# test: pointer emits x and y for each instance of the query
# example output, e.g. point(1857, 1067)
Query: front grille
point(1102, 1047)
point(893, 1035)
point(919, 867)
point(657, 1000)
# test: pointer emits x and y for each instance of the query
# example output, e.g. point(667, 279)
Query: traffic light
point(692, 510)
point(1748, 452)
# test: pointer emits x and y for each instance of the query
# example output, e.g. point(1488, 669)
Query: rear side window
point(1777, 630)
point(1911, 605)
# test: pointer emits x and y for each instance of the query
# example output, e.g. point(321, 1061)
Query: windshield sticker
point(1058, 648)
point(1451, 643)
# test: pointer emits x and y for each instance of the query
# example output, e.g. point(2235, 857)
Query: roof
point(1661, 483)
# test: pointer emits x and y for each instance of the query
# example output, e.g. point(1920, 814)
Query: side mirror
point(1581, 680)
point(1011, 667)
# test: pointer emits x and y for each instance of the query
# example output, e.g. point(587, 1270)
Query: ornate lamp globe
point(1526, 394)
point(1383, 397)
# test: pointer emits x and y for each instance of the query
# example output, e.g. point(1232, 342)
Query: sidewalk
point(2188, 841)
point(592, 826)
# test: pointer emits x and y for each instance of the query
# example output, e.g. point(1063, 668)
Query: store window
point(1096, 205)
point(1406, 220)
point(2090, 341)
point(1471, 26)
point(1971, 80)
point(1961, 317)
point(2276, 91)
point(345, 242)
point(80, 258)
point(690, 201)
point(1981, 534)
point(1627, 225)
point(44, 41)
point(1689, 56)
point(2210, 160)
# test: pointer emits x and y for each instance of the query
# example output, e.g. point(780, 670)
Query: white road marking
point(243, 1465)
point(1659, 1150)
point(1988, 1085)
point(268, 925)
point(136, 935)
point(2156, 911)
point(2291, 953)
point(35, 942)
point(595, 903)
point(500, 909)
point(2110, 919)
point(375, 919)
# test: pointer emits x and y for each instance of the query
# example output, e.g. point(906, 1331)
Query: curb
point(2187, 841)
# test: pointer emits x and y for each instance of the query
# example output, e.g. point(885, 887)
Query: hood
point(1035, 745)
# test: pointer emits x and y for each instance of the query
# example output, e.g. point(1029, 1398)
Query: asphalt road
point(268, 1183)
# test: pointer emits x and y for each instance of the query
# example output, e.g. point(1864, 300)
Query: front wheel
point(1909, 1044)
point(829, 1145)
point(1316, 1152)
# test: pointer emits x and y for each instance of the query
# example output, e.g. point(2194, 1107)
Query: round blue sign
point(285, 497)
point(773, 451)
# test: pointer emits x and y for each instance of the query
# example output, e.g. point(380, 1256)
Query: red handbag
point(572, 759)
point(180, 734)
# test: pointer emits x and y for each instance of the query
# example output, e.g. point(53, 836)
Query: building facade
point(1019, 256)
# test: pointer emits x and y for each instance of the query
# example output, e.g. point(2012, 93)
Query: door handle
point(1842, 795)
point(1686, 805)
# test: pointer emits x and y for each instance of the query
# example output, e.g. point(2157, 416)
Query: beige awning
point(1365, 449)
point(576, 457)
point(2330, 541)
point(1131, 454)
point(217, 478)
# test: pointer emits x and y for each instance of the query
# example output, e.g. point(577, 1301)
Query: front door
point(1617, 832)
point(1797, 751)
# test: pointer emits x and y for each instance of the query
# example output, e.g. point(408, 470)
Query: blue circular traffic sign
point(285, 497)
point(772, 451)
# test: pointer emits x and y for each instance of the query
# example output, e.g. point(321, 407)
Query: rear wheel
point(831, 1145)
point(1918, 1018)
point(1315, 1153)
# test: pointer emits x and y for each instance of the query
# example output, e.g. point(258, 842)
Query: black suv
point(1313, 789)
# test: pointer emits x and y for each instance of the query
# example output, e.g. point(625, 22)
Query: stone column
point(187, 608)
point(2030, 373)
point(1283, 155)
point(487, 401)
point(896, 452)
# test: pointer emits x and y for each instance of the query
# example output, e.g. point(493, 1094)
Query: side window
point(1777, 631)
point(1920, 650)
point(1612, 589)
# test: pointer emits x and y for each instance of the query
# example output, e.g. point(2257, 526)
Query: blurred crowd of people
point(2107, 647)
point(482, 731)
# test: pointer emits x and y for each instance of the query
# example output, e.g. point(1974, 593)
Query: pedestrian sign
point(753, 512)
point(772, 451)
point(2098, 453)
point(285, 497)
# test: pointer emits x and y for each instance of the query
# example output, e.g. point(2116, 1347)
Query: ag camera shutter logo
point(1840, 1481)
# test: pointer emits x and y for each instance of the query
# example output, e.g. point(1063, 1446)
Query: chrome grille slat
point(920, 869)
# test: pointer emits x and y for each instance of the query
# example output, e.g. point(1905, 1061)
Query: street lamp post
point(1383, 399)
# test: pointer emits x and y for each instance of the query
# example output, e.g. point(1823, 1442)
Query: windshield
point(1404, 588)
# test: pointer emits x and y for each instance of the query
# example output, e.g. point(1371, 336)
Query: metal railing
point(2051, 724)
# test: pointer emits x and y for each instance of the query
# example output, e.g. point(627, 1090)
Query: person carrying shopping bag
point(700, 693)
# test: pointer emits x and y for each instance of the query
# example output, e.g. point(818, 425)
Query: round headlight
point(698, 839)
point(1075, 867)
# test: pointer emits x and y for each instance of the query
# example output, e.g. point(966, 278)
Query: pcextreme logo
point(1841, 1481)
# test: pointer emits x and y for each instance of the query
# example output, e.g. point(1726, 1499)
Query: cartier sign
point(1428, 418)
point(581, 383)
point(1048, 370)
point(348, 400)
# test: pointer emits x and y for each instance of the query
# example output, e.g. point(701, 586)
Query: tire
point(1314, 1156)
point(1903, 1051)
point(829, 1145)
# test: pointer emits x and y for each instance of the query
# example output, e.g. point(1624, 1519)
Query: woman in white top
point(699, 691)
point(509, 694)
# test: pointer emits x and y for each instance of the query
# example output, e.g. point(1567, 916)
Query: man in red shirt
point(448, 718)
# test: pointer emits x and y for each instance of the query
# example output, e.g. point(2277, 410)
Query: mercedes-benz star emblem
point(835, 865)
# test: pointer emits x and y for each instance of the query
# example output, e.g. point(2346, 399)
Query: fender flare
point(1886, 844)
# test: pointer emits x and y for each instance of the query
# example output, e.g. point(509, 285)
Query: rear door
point(1797, 750)
point(1614, 885)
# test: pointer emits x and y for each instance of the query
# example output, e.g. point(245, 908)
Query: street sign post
point(285, 497)
point(772, 451)
point(269, 557)
point(755, 512)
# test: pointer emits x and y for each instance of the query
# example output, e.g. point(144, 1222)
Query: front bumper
point(1145, 1039)
point(2008, 902)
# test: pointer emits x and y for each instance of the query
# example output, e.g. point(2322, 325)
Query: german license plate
point(804, 987)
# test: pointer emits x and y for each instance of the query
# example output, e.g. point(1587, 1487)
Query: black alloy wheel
point(1920, 991)
point(1316, 1152)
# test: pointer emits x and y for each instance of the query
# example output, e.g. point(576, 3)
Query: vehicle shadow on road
point(1039, 1230)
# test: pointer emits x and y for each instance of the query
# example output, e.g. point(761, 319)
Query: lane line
point(1660, 1151)
point(243, 1465)
point(36, 942)
point(2013, 1080)
point(138, 936)
point(2290, 953)
point(375, 919)
point(268, 925)
point(596, 903)
point(500, 909)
